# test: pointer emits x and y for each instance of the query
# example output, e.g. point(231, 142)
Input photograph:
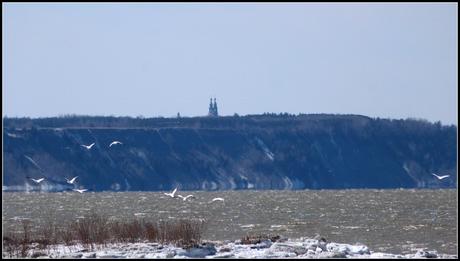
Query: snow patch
point(128, 187)
point(115, 186)
point(12, 135)
point(282, 248)
point(406, 168)
point(232, 183)
point(208, 185)
point(264, 147)
point(287, 183)
point(33, 162)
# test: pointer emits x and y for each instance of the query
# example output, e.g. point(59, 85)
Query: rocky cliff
point(250, 152)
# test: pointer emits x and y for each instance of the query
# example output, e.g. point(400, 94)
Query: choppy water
point(394, 221)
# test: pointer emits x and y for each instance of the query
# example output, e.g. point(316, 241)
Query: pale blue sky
point(380, 60)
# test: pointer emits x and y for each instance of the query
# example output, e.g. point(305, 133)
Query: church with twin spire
point(213, 109)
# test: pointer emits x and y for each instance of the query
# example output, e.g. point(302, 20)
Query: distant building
point(213, 109)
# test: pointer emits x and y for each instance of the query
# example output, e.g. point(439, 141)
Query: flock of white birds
point(184, 198)
point(72, 181)
point(88, 147)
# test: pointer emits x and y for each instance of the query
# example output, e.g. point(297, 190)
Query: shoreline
point(280, 247)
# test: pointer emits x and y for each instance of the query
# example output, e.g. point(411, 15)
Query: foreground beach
point(266, 248)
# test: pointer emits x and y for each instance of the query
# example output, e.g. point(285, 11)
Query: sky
point(387, 60)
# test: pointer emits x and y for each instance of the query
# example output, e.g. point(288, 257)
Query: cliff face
point(329, 152)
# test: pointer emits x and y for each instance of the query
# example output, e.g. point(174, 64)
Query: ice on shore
point(280, 248)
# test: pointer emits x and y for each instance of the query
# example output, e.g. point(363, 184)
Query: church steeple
point(213, 108)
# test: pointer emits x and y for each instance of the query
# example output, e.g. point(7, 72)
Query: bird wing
point(188, 196)
point(174, 192)
point(445, 176)
point(182, 197)
point(40, 180)
point(435, 175)
point(72, 180)
point(114, 142)
point(91, 145)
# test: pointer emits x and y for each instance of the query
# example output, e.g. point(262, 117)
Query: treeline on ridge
point(266, 120)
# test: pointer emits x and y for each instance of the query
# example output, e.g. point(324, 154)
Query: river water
point(393, 221)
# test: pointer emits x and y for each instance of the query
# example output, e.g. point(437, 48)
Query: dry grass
point(97, 229)
point(151, 231)
point(91, 230)
point(184, 233)
point(66, 236)
point(18, 244)
point(126, 232)
point(47, 235)
point(11, 245)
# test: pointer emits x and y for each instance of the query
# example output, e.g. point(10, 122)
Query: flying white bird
point(72, 180)
point(38, 180)
point(217, 199)
point(114, 142)
point(185, 198)
point(440, 177)
point(172, 193)
point(88, 146)
point(80, 190)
